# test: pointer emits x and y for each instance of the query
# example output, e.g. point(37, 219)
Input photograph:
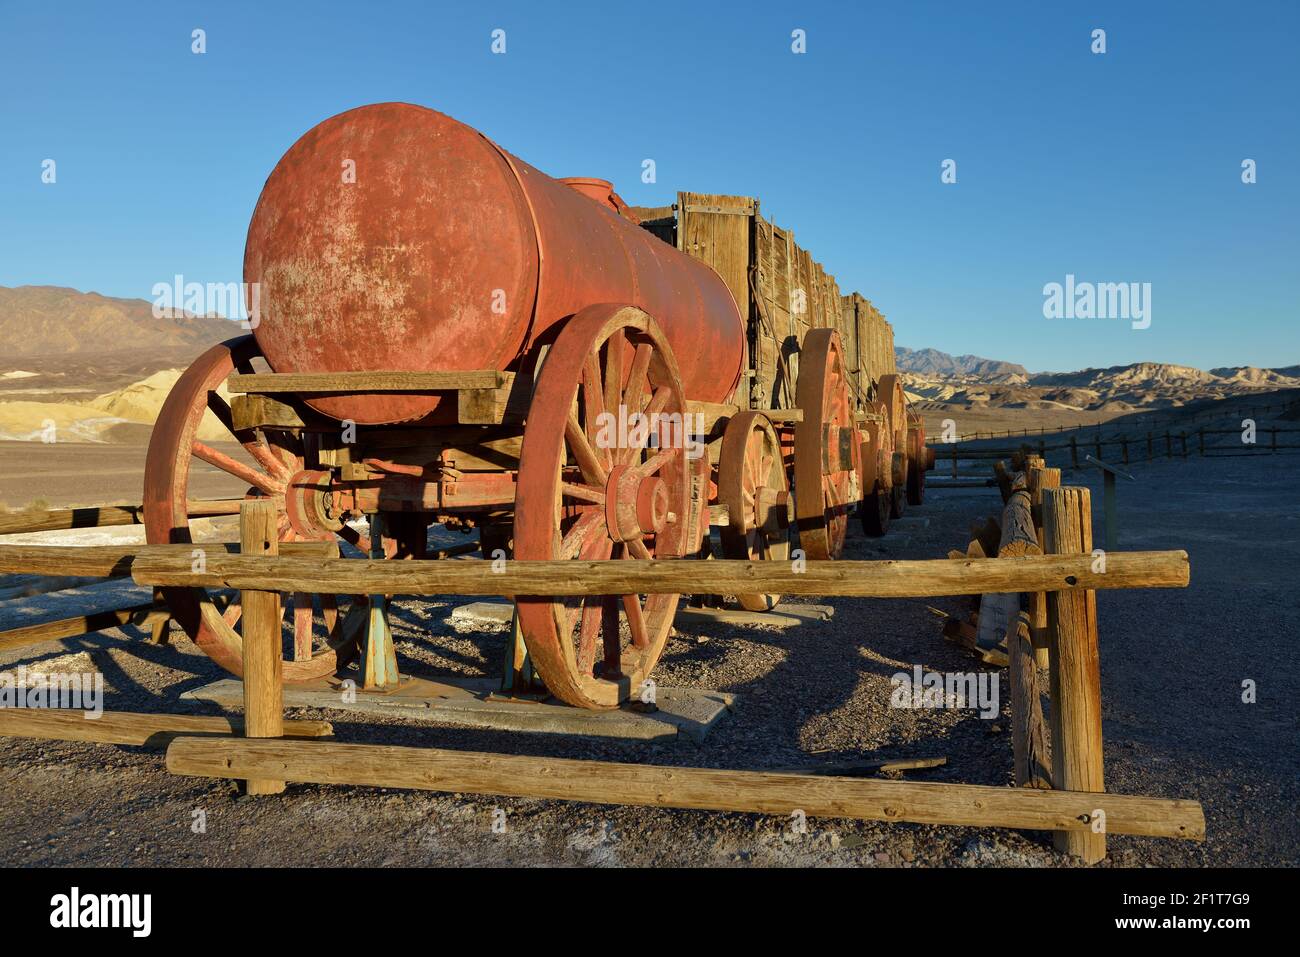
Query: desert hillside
point(56, 321)
point(973, 383)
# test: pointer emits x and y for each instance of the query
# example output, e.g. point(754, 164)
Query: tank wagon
point(444, 335)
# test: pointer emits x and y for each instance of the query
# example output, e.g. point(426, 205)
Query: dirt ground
point(1173, 663)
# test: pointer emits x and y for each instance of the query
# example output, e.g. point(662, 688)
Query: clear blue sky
point(1117, 167)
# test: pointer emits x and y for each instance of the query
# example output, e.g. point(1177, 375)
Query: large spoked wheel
point(826, 447)
point(917, 462)
point(318, 636)
point(752, 484)
point(591, 490)
point(877, 501)
point(890, 390)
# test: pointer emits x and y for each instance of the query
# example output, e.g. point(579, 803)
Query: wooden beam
point(1075, 666)
point(645, 785)
point(97, 516)
point(326, 382)
point(867, 579)
point(114, 561)
point(263, 661)
point(125, 727)
point(142, 615)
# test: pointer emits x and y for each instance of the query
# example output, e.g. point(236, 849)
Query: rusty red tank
point(392, 237)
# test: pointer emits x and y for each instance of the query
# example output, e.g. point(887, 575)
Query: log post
point(1182, 437)
point(1169, 445)
point(263, 661)
point(1017, 538)
point(1039, 480)
point(1075, 668)
point(1028, 732)
point(1123, 444)
point(1074, 452)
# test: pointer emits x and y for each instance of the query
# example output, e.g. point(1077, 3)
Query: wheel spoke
point(583, 493)
point(655, 463)
point(613, 371)
point(636, 380)
point(638, 549)
point(587, 631)
point(588, 461)
point(240, 471)
point(636, 620)
point(582, 530)
point(593, 394)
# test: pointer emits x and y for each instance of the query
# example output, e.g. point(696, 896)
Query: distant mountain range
point(932, 362)
point(970, 381)
point(56, 321)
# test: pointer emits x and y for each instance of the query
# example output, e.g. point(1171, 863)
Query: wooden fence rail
point(865, 579)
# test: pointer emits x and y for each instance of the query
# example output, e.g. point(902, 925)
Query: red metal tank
point(392, 237)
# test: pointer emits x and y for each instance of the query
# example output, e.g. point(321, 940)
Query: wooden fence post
point(1040, 480)
point(1201, 434)
point(1148, 446)
point(1182, 437)
point(1075, 668)
point(1123, 444)
point(263, 660)
point(1169, 445)
point(1074, 452)
point(1099, 444)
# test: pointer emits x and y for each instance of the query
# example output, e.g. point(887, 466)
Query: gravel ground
point(1173, 664)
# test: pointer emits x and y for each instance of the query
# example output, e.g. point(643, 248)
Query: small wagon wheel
point(917, 461)
point(877, 499)
point(752, 484)
point(890, 390)
point(589, 489)
point(825, 447)
point(318, 640)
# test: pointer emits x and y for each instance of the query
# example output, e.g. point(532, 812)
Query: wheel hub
point(634, 506)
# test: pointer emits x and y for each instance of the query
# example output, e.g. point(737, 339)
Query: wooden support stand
point(1075, 668)
point(604, 782)
point(263, 661)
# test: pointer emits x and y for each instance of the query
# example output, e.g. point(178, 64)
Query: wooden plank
point(325, 382)
point(600, 782)
point(142, 615)
point(263, 661)
point(125, 727)
point(114, 561)
point(97, 516)
point(868, 579)
point(1075, 666)
point(507, 403)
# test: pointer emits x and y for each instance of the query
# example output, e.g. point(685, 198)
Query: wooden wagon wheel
point(877, 499)
point(319, 640)
point(826, 447)
point(752, 484)
point(585, 493)
point(917, 461)
point(890, 390)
